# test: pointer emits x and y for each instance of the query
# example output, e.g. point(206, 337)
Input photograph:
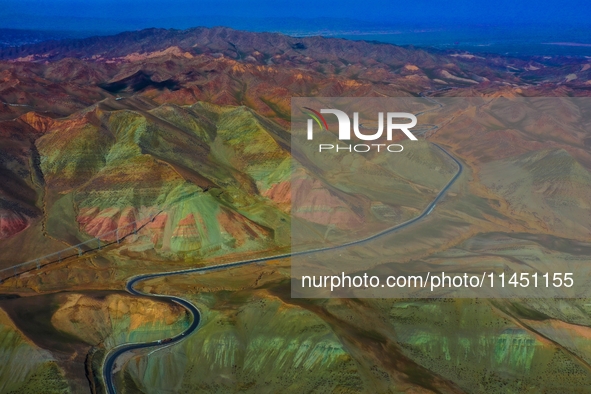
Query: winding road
point(112, 355)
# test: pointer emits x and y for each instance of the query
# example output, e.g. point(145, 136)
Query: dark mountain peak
point(137, 82)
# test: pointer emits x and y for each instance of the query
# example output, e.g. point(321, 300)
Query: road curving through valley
point(113, 354)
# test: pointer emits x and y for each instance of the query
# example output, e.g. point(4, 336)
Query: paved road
point(192, 309)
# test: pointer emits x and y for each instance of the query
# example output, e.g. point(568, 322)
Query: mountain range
point(192, 128)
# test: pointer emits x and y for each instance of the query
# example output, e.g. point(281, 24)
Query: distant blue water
point(18, 37)
point(505, 41)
